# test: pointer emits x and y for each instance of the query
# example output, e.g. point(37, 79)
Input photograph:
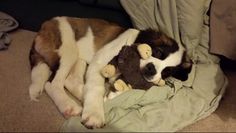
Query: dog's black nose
point(149, 70)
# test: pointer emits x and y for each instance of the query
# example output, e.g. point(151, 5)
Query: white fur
point(93, 113)
point(65, 104)
point(75, 81)
point(39, 75)
point(69, 54)
point(86, 46)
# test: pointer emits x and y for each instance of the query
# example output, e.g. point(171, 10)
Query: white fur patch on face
point(174, 59)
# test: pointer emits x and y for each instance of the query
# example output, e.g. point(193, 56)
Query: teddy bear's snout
point(149, 71)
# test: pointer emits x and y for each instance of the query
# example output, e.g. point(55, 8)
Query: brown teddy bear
point(123, 71)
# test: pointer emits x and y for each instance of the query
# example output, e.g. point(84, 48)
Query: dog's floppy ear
point(181, 71)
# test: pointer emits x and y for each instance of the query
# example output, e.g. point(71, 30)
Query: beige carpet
point(18, 113)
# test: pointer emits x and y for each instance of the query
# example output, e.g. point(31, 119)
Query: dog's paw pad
point(67, 113)
point(71, 110)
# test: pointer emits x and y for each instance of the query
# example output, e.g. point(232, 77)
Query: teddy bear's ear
point(144, 50)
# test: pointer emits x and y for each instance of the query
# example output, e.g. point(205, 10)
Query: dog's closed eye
point(157, 53)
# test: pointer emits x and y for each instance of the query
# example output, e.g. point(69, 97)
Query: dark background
point(31, 13)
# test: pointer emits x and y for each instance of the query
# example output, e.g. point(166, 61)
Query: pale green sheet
point(177, 104)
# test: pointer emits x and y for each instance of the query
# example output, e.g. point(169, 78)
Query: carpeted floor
point(18, 113)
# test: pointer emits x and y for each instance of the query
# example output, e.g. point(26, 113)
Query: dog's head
point(168, 58)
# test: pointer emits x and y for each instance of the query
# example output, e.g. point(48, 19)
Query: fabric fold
point(7, 23)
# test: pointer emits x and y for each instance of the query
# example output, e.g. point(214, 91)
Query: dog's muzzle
point(148, 71)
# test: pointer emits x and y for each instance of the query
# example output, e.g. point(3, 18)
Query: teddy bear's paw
point(144, 50)
point(108, 71)
point(160, 82)
point(120, 85)
point(129, 87)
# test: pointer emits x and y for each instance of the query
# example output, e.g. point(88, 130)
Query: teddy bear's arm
point(110, 70)
point(121, 85)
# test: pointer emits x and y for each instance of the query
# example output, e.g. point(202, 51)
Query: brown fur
point(48, 40)
point(45, 45)
point(101, 29)
point(79, 26)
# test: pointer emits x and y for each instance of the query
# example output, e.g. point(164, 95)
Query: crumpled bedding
point(178, 104)
point(7, 23)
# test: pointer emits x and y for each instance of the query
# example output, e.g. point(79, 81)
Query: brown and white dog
point(70, 52)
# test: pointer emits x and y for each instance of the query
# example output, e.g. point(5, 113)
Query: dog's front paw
point(67, 106)
point(93, 119)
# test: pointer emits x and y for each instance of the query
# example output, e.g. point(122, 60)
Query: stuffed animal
point(123, 71)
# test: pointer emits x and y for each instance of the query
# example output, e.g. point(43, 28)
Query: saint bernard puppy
point(68, 54)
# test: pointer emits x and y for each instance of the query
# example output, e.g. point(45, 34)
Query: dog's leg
point(68, 53)
point(65, 104)
point(75, 81)
point(55, 89)
point(39, 76)
point(93, 112)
